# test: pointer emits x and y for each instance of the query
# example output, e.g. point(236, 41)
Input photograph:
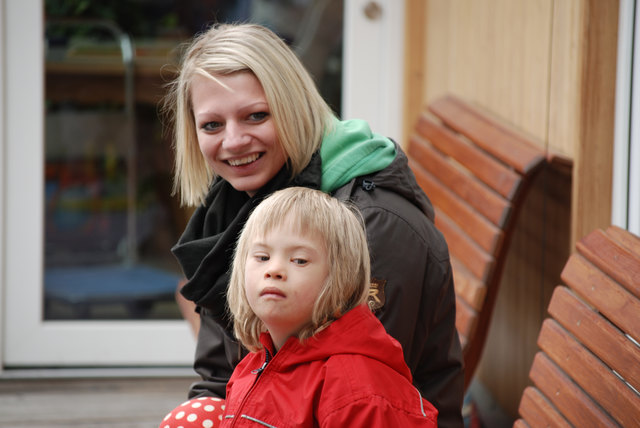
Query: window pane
point(110, 218)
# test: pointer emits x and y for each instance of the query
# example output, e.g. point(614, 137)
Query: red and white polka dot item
point(203, 412)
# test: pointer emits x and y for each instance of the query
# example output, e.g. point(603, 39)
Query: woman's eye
point(300, 262)
point(257, 117)
point(211, 126)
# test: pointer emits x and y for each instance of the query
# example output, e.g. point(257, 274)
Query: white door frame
point(2, 184)
point(625, 210)
point(374, 64)
point(27, 339)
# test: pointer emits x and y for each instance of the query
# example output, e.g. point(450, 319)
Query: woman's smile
point(245, 160)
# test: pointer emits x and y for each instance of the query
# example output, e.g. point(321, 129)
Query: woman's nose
point(235, 138)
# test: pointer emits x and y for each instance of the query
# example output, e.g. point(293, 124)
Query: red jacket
point(352, 374)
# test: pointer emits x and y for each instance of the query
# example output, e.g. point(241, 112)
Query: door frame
point(373, 65)
point(625, 209)
point(27, 340)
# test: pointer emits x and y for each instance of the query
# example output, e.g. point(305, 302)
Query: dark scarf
point(205, 249)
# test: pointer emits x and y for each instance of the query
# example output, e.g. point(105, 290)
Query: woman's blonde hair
point(310, 213)
point(300, 114)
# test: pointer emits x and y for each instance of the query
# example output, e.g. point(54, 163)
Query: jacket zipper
point(257, 372)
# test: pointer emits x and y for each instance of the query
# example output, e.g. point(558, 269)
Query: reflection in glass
point(110, 219)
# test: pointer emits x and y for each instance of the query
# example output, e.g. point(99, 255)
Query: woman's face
point(235, 130)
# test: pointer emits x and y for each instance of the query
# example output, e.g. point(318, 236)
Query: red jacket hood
point(350, 374)
point(356, 332)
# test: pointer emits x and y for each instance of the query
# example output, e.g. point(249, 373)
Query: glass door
point(89, 278)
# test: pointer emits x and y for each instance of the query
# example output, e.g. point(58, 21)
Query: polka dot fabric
point(203, 412)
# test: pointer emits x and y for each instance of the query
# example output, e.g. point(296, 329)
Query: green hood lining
point(351, 150)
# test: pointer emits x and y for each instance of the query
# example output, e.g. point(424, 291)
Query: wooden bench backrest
point(474, 170)
point(587, 373)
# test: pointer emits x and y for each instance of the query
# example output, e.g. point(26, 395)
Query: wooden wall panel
point(494, 53)
point(547, 67)
point(564, 79)
point(593, 152)
point(414, 53)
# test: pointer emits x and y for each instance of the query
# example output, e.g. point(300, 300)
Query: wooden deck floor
point(108, 401)
point(90, 402)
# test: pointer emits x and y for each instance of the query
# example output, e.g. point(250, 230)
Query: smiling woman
point(248, 121)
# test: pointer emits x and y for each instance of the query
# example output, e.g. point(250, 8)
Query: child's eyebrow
point(258, 245)
point(263, 245)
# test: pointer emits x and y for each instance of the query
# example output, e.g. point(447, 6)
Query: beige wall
point(548, 68)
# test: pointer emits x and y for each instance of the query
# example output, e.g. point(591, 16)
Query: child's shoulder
point(361, 374)
point(356, 385)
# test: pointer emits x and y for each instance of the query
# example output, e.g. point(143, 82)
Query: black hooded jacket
point(412, 285)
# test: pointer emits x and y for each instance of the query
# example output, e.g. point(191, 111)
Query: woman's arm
point(411, 268)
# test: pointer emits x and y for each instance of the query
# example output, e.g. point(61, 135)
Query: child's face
point(284, 274)
point(236, 133)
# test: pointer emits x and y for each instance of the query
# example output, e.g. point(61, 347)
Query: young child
point(297, 296)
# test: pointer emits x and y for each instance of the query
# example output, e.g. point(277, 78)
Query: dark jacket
point(412, 289)
point(337, 378)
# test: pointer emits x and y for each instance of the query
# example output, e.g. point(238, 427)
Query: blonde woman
point(247, 121)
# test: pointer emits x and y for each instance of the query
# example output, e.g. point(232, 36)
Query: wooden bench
point(587, 373)
point(475, 170)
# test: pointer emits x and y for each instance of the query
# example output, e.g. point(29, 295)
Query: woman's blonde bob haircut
point(300, 114)
point(310, 213)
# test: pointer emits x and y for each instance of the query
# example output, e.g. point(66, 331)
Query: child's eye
point(261, 257)
point(300, 262)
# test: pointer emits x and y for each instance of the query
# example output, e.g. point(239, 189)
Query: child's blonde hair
point(300, 114)
point(310, 213)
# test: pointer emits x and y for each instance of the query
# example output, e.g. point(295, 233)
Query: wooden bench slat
point(467, 286)
point(597, 334)
point(568, 398)
point(499, 140)
point(628, 240)
point(463, 340)
point(466, 319)
point(476, 170)
point(493, 173)
point(536, 409)
point(599, 290)
point(481, 230)
point(488, 203)
point(589, 367)
point(612, 258)
point(520, 423)
point(590, 374)
point(478, 261)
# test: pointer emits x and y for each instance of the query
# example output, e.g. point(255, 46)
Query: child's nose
point(275, 270)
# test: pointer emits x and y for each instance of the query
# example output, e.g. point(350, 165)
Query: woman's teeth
point(244, 161)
